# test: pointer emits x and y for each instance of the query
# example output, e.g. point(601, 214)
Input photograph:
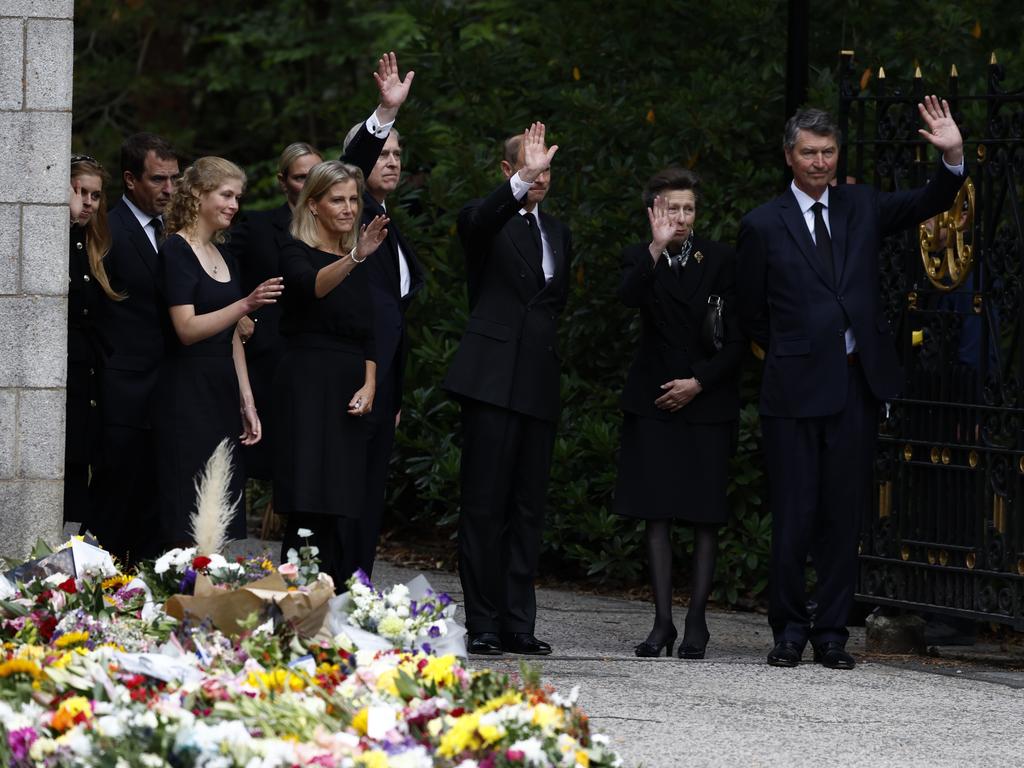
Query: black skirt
point(674, 470)
point(320, 449)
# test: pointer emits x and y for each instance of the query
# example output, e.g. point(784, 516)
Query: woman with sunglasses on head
point(90, 242)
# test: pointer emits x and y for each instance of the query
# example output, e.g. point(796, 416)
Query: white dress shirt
point(145, 221)
point(404, 281)
point(519, 190)
point(377, 128)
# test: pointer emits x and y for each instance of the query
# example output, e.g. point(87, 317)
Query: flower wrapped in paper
point(407, 617)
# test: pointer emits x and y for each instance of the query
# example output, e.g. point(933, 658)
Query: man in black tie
point(505, 375)
point(807, 279)
point(130, 330)
point(395, 277)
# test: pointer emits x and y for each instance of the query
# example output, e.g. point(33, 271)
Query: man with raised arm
point(807, 280)
point(505, 375)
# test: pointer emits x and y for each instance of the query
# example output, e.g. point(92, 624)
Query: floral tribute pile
point(94, 672)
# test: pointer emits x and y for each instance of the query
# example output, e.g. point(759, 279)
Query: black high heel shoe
point(690, 650)
point(647, 649)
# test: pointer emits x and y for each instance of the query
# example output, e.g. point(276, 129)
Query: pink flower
point(288, 570)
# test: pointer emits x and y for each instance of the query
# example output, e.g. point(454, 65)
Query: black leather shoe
point(833, 656)
point(524, 642)
point(695, 641)
point(648, 649)
point(785, 654)
point(484, 644)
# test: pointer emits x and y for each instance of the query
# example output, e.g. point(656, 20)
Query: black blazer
point(792, 308)
point(130, 331)
point(382, 268)
point(670, 339)
point(508, 355)
point(256, 243)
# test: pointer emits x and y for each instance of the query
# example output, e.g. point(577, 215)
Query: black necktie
point(538, 262)
point(823, 242)
point(158, 229)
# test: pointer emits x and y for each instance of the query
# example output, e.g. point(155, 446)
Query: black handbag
point(712, 333)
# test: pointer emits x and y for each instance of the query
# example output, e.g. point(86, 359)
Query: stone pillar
point(36, 54)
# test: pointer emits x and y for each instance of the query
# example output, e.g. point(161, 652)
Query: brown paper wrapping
point(306, 610)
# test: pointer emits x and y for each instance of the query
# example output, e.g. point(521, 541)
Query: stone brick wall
point(36, 53)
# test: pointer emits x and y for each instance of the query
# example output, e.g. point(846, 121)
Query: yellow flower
point(20, 667)
point(33, 652)
point(266, 565)
point(386, 681)
point(276, 680)
point(490, 733)
point(438, 670)
point(546, 716)
point(67, 657)
point(373, 759)
point(461, 737)
point(361, 720)
point(116, 582)
point(390, 626)
point(512, 697)
point(70, 710)
point(582, 758)
point(71, 638)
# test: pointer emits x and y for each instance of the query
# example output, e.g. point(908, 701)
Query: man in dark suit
point(506, 375)
point(130, 331)
point(807, 277)
point(395, 277)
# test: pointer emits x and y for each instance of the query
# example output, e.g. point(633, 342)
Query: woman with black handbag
point(681, 399)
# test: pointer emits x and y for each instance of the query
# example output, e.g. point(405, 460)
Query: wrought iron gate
point(946, 533)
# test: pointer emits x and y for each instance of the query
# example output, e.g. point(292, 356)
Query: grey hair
point(355, 129)
point(817, 121)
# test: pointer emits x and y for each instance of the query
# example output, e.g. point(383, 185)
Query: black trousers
point(506, 463)
point(124, 497)
point(334, 536)
point(819, 475)
point(379, 444)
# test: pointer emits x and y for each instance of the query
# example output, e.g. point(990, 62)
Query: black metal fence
point(946, 533)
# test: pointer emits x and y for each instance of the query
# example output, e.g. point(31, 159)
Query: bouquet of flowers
point(408, 617)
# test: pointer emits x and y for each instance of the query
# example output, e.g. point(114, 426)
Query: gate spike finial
point(993, 61)
point(881, 73)
point(953, 72)
point(917, 72)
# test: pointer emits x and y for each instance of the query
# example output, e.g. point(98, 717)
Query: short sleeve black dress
point(197, 402)
point(320, 451)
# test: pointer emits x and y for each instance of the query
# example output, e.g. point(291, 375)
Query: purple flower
point(444, 599)
point(414, 608)
point(434, 631)
point(426, 648)
point(362, 578)
point(20, 741)
point(188, 582)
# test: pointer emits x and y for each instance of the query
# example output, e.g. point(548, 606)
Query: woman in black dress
point(90, 241)
point(203, 395)
point(326, 381)
point(681, 401)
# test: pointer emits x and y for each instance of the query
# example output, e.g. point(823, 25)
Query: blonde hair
point(204, 175)
point(321, 178)
point(292, 153)
point(97, 231)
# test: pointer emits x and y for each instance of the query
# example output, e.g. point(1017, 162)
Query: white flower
point(110, 726)
point(152, 761)
point(303, 533)
point(532, 749)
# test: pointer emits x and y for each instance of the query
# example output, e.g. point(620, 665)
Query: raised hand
point(536, 156)
point(393, 89)
point(265, 293)
point(371, 236)
point(942, 131)
point(662, 227)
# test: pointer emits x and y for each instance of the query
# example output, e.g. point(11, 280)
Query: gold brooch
point(698, 257)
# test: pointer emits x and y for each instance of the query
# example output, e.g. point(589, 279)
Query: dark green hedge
point(623, 91)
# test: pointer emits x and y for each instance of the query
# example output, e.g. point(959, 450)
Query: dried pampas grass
point(214, 507)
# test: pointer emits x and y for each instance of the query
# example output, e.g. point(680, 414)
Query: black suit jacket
point(508, 355)
point(256, 243)
point(670, 340)
point(130, 331)
point(382, 267)
point(792, 308)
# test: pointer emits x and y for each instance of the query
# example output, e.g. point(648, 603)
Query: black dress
point(320, 466)
point(676, 464)
point(83, 430)
point(197, 401)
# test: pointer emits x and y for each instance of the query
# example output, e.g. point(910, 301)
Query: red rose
point(200, 562)
point(69, 586)
point(47, 626)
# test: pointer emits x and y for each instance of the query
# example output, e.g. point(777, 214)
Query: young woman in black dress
point(90, 241)
point(203, 395)
point(681, 401)
point(326, 381)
